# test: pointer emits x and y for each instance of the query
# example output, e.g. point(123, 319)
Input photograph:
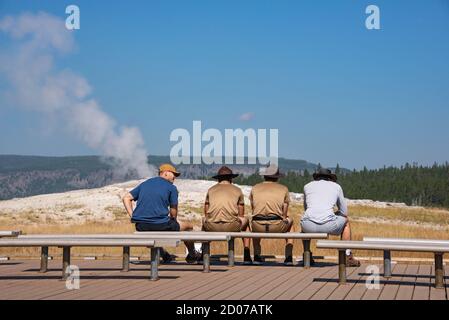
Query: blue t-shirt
point(153, 197)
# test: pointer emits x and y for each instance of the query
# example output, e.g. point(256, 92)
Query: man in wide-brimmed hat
point(320, 198)
point(224, 208)
point(157, 208)
point(270, 201)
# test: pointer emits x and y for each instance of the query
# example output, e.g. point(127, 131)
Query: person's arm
point(206, 205)
point(241, 205)
point(285, 210)
point(241, 210)
point(341, 204)
point(174, 203)
point(128, 203)
point(174, 211)
point(286, 204)
point(305, 201)
point(251, 200)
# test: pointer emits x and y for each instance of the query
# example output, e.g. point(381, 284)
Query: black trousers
point(171, 225)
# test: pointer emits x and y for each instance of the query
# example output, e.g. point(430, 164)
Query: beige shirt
point(268, 198)
point(223, 200)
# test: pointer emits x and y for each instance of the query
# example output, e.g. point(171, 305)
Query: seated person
point(320, 197)
point(224, 208)
point(270, 201)
point(154, 198)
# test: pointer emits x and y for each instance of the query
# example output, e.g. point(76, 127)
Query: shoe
point(352, 262)
point(258, 260)
point(199, 257)
point(247, 257)
point(194, 258)
point(168, 258)
point(288, 261)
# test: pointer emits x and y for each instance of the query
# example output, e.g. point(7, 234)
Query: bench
point(68, 242)
point(387, 246)
point(204, 238)
point(306, 237)
point(387, 253)
point(10, 234)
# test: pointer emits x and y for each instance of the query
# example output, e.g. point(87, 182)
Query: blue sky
point(336, 91)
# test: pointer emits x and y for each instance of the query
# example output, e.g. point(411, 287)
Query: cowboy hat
point(323, 172)
point(225, 172)
point(271, 171)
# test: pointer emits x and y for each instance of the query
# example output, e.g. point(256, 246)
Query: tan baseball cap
point(169, 167)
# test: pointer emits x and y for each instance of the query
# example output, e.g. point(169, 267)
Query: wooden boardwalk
point(102, 279)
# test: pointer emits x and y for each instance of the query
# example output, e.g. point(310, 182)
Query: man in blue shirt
point(157, 208)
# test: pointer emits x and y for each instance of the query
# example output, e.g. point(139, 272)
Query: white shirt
point(320, 197)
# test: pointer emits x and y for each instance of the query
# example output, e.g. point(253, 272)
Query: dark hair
point(271, 179)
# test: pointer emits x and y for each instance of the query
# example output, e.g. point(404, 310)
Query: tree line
point(411, 183)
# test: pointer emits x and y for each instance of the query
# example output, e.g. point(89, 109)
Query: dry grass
point(372, 223)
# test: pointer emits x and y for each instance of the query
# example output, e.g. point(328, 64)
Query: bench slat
point(406, 240)
point(289, 235)
point(149, 235)
point(66, 242)
point(377, 245)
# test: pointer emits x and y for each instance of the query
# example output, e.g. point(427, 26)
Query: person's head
point(271, 173)
point(225, 174)
point(168, 172)
point(324, 174)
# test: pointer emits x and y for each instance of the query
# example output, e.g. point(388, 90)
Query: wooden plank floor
point(103, 279)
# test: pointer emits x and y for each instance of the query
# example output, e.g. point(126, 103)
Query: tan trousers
point(235, 226)
point(280, 226)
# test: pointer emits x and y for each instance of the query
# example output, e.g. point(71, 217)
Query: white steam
point(37, 84)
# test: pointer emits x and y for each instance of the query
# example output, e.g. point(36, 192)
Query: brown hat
point(323, 172)
point(271, 171)
point(225, 172)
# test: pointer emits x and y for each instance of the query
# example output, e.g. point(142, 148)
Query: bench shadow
point(384, 282)
point(118, 277)
point(10, 263)
point(162, 268)
point(404, 275)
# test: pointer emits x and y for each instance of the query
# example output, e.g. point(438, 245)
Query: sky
point(336, 91)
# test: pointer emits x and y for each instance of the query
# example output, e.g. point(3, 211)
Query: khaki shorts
point(280, 226)
point(235, 226)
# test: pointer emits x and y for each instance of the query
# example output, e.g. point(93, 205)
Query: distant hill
point(23, 176)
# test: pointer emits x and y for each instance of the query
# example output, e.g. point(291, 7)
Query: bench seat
point(306, 237)
point(68, 242)
point(204, 238)
point(438, 249)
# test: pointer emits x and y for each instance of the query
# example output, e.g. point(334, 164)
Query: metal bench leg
point(439, 271)
point(306, 254)
point(126, 252)
point(231, 252)
point(44, 259)
point(206, 257)
point(342, 266)
point(155, 254)
point(65, 262)
point(387, 264)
